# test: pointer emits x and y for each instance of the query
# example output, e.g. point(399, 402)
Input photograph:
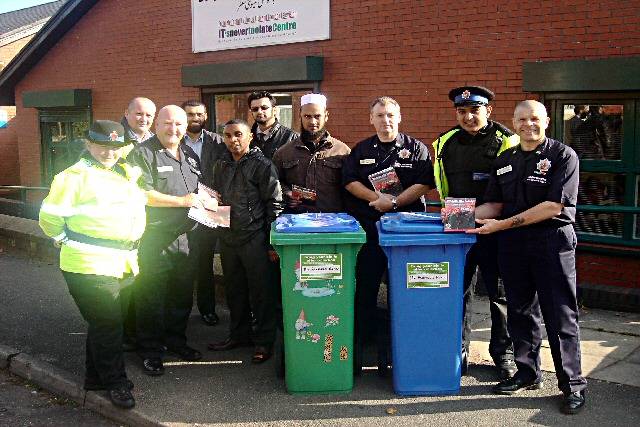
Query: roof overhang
point(59, 24)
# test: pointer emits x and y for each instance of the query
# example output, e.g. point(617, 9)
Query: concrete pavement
point(44, 337)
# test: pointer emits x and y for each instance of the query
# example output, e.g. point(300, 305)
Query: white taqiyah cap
point(314, 98)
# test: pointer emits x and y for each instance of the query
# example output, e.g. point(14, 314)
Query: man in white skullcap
point(310, 166)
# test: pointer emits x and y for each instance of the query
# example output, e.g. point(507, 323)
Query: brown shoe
point(228, 344)
point(261, 354)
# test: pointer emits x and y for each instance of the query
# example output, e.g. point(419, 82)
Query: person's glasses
point(262, 107)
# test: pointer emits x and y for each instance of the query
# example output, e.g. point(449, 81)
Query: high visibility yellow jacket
point(102, 207)
point(438, 167)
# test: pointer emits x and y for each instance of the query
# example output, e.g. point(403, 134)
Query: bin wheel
point(278, 350)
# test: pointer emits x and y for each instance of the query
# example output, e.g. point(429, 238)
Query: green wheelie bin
point(318, 262)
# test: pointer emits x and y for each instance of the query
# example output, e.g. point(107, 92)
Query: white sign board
point(234, 24)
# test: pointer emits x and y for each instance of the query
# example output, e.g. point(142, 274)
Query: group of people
point(525, 186)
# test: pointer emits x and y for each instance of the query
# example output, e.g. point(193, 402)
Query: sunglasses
point(262, 107)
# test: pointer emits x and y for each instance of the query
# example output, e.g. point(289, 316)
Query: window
point(62, 135)
point(604, 130)
point(226, 106)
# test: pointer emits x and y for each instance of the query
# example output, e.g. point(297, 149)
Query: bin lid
point(412, 222)
point(316, 223)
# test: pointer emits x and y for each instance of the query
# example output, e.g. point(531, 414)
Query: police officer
point(533, 189)
point(95, 214)
point(164, 290)
point(312, 162)
point(464, 157)
point(410, 160)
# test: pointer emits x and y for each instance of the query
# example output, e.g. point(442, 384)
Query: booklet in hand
point(458, 214)
point(386, 181)
point(212, 219)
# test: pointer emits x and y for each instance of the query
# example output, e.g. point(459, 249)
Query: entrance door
point(63, 134)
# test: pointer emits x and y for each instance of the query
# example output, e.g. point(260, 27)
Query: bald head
point(530, 122)
point(139, 115)
point(171, 125)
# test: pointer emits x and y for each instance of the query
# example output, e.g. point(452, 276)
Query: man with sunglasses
point(268, 133)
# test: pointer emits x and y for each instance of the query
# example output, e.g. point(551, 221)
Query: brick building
point(93, 56)
point(16, 30)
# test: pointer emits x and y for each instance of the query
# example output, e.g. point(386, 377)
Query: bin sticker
point(318, 292)
point(320, 267)
point(344, 353)
point(302, 326)
point(331, 320)
point(328, 348)
point(315, 338)
point(428, 275)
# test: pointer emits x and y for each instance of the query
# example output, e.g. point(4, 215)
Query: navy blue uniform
point(412, 163)
point(537, 261)
point(164, 288)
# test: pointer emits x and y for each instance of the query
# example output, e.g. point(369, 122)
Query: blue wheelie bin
point(426, 271)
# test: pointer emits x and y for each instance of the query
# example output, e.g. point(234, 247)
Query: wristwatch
point(394, 204)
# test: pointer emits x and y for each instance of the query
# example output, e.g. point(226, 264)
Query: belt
point(107, 243)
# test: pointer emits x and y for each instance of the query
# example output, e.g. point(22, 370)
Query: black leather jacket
point(279, 136)
point(251, 187)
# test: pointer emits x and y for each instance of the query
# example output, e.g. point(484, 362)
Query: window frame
point(629, 163)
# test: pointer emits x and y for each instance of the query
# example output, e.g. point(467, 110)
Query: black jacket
point(212, 149)
point(279, 136)
point(251, 187)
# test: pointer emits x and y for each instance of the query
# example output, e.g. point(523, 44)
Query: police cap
point(106, 132)
point(470, 95)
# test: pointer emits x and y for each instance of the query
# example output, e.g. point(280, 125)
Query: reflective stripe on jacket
point(438, 166)
point(96, 202)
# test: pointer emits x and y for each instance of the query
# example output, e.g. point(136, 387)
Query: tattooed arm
point(538, 213)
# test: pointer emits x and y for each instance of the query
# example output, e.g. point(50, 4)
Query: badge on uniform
point(543, 166)
point(165, 168)
point(404, 153)
point(480, 176)
point(367, 161)
point(504, 170)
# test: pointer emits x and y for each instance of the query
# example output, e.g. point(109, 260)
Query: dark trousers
point(248, 290)
point(483, 256)
point(371, 265)
point(98, 299)
point(538, 268)
point(205, 240)
point(163, 292)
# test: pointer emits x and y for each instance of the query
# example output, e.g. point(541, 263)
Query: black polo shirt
point(409, 157)
point(166, 174)
point(523, 179)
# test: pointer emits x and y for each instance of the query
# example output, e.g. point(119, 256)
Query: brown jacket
point(320, 170)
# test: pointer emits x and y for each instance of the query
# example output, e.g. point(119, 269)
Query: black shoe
point(186, 353)
point(91, 385)
point(228, 344)
point(516, 385)
point(572, 403)
point(506, 367)
point(464, 363)
point(122, 397)
point(153, 366)
point(210, 319)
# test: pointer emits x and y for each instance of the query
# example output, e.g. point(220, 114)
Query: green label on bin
point(428, 275)
point(320, 266)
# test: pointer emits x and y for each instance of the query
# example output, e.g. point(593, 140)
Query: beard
point(312, 136)
point(195, 127)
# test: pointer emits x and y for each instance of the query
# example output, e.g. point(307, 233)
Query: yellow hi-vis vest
point(438, 167)
point(99, 203)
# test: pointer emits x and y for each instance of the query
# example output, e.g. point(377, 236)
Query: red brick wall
point(608, 270)
point(414, 51)
point(8, 51)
